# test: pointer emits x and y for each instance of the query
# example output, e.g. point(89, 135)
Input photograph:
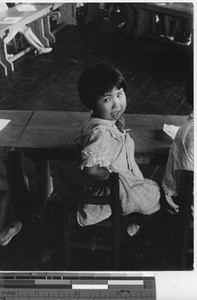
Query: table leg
point(18, 182)
point(44, 183)
point(5, 64)
point(47, 29)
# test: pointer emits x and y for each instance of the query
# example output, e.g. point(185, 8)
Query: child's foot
point(185, 42)
point(170, 37)
point(133, 229)
point(43, 51)
point(13, 229)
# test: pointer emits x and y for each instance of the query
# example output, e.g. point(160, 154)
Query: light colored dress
point(181, 157)
point(3, 7)
point(105, 145)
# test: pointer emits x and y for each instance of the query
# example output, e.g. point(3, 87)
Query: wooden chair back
point(114, 222)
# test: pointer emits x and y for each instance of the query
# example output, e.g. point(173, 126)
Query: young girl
point(107, 147)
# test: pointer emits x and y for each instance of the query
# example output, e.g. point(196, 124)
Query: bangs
point(108, 82)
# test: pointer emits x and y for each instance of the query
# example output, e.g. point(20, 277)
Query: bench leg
point(47, 30)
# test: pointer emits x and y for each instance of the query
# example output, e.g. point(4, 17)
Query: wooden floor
point(156, 73)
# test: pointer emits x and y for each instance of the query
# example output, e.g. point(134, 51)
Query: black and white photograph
point(96, 136)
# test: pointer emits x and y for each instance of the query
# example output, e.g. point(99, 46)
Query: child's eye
point(106, 100)
point(120, 95)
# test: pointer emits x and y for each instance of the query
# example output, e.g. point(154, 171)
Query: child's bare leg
point(176, 26)
point(4, 203)
point(27, 33)
point(167, 24)
point(32, 36)
point(33, 40)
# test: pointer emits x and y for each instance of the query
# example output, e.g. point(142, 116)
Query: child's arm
point(96, 172)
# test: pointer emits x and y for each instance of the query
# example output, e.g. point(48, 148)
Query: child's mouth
point(116, 114)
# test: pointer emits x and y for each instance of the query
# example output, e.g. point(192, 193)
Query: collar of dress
point(99, 121)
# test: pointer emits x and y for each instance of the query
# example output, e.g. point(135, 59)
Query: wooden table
point(52, 134)
point(182, 10)
point(11, 134)
point(144, 11)
point(39, 22)
point(150, 139)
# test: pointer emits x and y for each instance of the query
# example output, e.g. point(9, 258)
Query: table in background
point(144, 11)
point(182, 10)
point(38, 21)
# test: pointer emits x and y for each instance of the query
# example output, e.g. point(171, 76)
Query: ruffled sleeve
point(99, 148)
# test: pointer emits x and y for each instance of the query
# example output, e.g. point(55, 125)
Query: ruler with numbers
point(80, 285)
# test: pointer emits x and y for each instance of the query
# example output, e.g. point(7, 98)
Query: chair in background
point(114, 222)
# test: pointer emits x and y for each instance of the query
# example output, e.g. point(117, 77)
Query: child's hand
point(174, 208)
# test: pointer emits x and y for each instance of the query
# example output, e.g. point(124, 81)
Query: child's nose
point(115, 102)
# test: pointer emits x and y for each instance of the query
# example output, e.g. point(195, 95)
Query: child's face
point(111, 105)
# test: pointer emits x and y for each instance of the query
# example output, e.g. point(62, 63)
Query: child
point(181, 155)
point(107, 147)
point(28, 35)
point(7, 232)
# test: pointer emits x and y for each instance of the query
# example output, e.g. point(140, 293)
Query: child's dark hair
point(96, 80)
